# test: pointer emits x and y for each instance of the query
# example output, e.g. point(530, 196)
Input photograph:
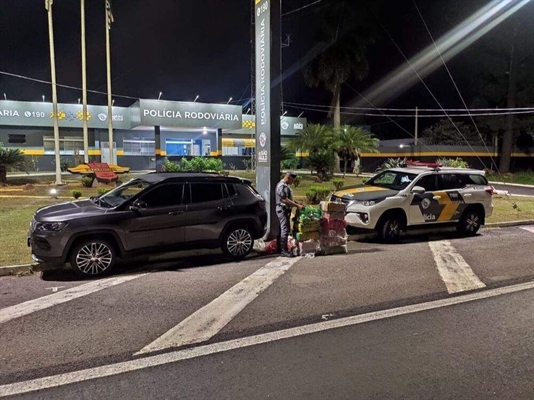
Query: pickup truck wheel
point(470, 222)
point(237, 242)
point(93, 257)
point(389, 231)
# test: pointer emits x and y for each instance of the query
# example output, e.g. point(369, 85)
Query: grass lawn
point(18, 203)
point(525, 178)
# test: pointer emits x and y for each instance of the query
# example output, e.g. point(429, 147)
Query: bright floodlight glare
point(196, 98)
point(229, 100)
point(159, 97)
point(43, 98)
point(5, 97)
point(449, 45)
point(79, 100)
point(53, 193)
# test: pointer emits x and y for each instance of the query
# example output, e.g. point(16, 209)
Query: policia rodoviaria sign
point(267, 42)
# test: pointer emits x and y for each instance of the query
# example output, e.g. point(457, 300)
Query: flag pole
point(84, 86)
point(48, 6)
point(109, 20)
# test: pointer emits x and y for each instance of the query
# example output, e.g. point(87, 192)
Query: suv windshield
point(122, 193)
point(392, 180)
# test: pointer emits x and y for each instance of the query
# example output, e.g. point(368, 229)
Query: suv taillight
point(491, 190)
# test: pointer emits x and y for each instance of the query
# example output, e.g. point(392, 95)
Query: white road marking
point(31, 306)
point(205, 323)
point(179, 355)
point(455, 272)
point(528, 228)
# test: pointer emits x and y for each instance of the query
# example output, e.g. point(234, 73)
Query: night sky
point(186, 48)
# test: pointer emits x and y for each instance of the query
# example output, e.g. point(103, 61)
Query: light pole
point(196, 98)
point(84, 87)
point(109, 20)
point(160, 93)
point(48, 6)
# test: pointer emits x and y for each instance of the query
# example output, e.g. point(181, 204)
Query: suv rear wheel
point(237, 242)
point(470, 222)
point(93, 257)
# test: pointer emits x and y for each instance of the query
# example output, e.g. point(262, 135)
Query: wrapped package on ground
point(333, 241)
point(308, 247)
point(333, 224)
point(308, 214)
point(334, 215)
point(332, 206)
point(304, 236)
point(310, 226)
point(329, 251)
point(329, 233)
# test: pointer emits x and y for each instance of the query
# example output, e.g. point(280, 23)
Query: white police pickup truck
point(418, 195)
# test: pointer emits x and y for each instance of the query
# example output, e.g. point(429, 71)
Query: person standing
point(284, 204)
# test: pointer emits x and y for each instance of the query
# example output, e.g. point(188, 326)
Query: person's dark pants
point(284, 216)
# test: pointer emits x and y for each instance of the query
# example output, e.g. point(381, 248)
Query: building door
point(105, 156)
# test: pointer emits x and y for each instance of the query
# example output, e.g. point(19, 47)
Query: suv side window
point(203, 192)
point(429, 182)
point(231, 190)
point(450, 181)
point(476, 179)
point(165, 195)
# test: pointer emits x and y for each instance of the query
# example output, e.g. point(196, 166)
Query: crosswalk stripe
point(453, 269)
point(528, 228)
point(31, 306)
point(205, 323)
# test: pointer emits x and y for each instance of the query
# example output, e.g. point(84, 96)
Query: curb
point(512, 184)
point(16, 269)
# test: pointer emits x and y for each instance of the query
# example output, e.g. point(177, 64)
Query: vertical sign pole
point(268, 81)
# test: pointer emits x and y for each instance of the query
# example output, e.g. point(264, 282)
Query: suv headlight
point(50, 226)
point(367, 203)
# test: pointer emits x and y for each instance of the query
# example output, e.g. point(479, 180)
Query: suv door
point(450, 197)
point(208, 208)
point(161, 220)
point(425, 208)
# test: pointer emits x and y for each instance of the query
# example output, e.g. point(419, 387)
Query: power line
point(301, 8)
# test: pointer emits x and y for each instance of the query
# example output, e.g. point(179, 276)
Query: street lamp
point(43, 98)
point(196, 98)
point(247, 111)
point(283, 115)
point(229, 100)
point(300, 115)
point(79, 100)
point(5, 97)
point(160, 93)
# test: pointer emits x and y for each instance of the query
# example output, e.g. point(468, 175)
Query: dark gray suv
point(154, 213)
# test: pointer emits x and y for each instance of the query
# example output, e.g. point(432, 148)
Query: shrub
point(249, 164)
point(454, 163)
point(392, 163)
point(290, 163)
point(316, 194)
point(103, 190)
point(87, 181)
point(196, 164)
point(338, 183)
point(76, 194)
point(322, 162)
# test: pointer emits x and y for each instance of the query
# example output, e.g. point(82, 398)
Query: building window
point(139, 147)
point(67, 145)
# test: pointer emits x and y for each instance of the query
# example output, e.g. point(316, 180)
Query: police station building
point(146, 128)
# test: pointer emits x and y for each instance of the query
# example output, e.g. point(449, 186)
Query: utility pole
point(109, 20)
point(84, 87)
point(416, 125)
point(48, 6)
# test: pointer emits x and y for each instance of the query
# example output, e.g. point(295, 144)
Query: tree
point(10, 159)
point(444, 133)
point(507, 82)
point(312, 139)
point(352, 141)
point(345, 45)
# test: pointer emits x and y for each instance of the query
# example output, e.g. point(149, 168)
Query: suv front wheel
point(390, 229)
point(237, 242)
point(92, 257)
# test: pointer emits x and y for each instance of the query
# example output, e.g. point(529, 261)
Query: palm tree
point(352, 141)
point(10, 159)
point(312, 139)
point(344, 56)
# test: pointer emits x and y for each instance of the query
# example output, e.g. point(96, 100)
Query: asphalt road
point(478, 349)
point(515, 189)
